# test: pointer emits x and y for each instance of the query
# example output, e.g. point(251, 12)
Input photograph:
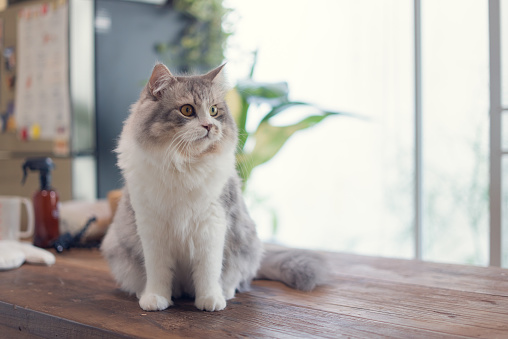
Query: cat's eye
point(187, 110)
point(214, 111)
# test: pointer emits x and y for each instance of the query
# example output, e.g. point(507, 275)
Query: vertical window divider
point(418, 178)
point(495, 133)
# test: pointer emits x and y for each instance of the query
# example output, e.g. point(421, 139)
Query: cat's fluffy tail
point(300, 269)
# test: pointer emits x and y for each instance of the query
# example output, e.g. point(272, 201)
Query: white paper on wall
point(42, 86)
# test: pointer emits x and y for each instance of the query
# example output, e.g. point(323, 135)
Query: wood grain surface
point(366, 297)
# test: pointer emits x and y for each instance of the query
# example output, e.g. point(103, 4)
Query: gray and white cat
point(181, 227)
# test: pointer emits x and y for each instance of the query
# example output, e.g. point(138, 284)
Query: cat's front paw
point(229, 293)
point(214, 302)
point(154, 302)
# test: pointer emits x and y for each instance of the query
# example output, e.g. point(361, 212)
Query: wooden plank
point(19, 322)
point(11, 332)
point(432, 309)
point(249, 317)
point(91, 298)
point(488, 280)
point(367, 298)
point(90, 258)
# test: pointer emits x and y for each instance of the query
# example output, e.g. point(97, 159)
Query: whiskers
point(187, 148)
point(177, 153)
point(182, 151)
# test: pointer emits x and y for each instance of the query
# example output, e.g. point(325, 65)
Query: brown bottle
point(45, 201)
point(46, 217)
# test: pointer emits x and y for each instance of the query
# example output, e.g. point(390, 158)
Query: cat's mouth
point(208, 135)
point(204, 137)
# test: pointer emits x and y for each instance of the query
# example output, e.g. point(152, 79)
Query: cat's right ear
point(159, 81)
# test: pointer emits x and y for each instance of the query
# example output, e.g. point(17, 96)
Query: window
point(455, 130)
point(501, 99)
point(348, 184)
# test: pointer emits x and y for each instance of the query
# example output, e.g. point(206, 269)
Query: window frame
point(495, 129)
point(496, 153)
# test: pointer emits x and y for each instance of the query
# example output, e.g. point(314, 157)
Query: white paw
point(214, 302)
point(154, 302)
point(229, 293)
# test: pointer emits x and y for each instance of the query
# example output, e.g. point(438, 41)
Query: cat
point(181, 227)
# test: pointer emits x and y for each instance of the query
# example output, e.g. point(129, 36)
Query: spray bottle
point(45, 202)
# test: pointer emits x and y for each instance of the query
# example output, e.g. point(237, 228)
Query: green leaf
point(254, 63)
point(243, 135)
point(263, 92)
point(275, 222)
point(269, 140)
point(284, 106)
point(239, 108)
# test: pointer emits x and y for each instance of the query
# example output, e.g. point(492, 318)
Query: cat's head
point(184, 116)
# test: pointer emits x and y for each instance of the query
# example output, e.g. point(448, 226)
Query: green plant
point(201, 46)
point(201, 43)
point(268, 139)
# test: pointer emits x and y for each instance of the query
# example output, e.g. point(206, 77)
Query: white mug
point(10, 218)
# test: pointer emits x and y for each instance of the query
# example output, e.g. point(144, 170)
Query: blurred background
point(366, 126)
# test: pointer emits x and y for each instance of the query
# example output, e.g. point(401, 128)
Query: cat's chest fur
point(178, 196)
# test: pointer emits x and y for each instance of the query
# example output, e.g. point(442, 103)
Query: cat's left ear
point(216, 74)
point(160, 80)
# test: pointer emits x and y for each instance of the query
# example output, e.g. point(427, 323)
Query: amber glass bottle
point(45, 201)
point(46, 217)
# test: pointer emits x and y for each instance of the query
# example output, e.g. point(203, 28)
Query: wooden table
point(367, 297)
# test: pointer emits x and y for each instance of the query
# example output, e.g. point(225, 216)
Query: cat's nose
point(208, 127)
